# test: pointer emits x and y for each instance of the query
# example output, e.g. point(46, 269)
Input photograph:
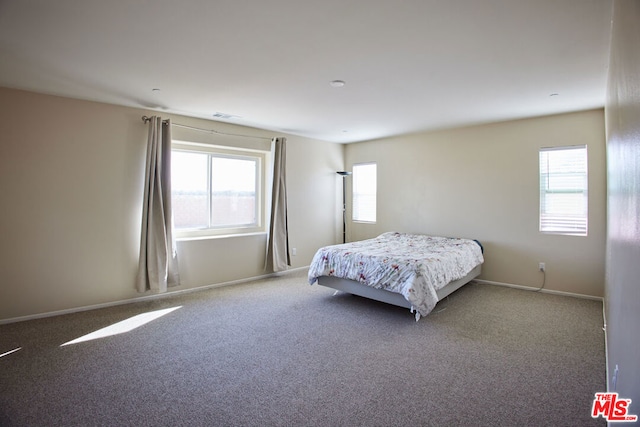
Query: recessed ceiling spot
point(337, 83)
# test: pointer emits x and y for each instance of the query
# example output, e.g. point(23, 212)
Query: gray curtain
point(158, 265)
point(278, 241)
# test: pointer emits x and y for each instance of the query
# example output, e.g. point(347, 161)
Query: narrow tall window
point(364, 192)
point(563, 190)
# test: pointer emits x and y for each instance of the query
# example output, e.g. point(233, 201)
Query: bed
point(414, 271)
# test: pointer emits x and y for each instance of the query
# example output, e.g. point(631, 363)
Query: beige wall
point(482, 182)
point(71, 177)
point(622, 296)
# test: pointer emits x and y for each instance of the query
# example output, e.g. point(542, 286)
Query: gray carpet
point(278, 352)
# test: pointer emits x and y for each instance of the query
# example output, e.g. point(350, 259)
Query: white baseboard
point(249, 279)
point(144, 298)
point(546, 291)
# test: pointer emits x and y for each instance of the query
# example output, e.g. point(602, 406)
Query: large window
point(364, 192)
point(563, 190)
point(215, 191)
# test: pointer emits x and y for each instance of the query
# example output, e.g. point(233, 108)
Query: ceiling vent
point(225, 116)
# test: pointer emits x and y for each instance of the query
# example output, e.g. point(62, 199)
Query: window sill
point(219, 236)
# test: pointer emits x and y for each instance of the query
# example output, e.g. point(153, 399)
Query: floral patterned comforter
point(415, 266)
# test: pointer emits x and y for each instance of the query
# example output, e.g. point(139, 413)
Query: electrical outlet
point(294, 251)
point(542, 267)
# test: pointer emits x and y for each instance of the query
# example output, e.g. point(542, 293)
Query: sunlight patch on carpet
point(9, 352)
point(123, 326)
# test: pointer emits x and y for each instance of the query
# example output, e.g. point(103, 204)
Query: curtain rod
point(146, 119)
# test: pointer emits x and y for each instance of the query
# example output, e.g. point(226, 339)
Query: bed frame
point(357, 288)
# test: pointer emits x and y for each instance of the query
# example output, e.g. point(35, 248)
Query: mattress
point(413, 265)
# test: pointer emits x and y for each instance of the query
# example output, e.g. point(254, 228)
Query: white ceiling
point(409, 65)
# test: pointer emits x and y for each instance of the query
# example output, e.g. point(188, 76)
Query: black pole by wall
point(344, 175)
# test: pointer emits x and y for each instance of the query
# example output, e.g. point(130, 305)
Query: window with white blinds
point(364, 192)
point(563, 190)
